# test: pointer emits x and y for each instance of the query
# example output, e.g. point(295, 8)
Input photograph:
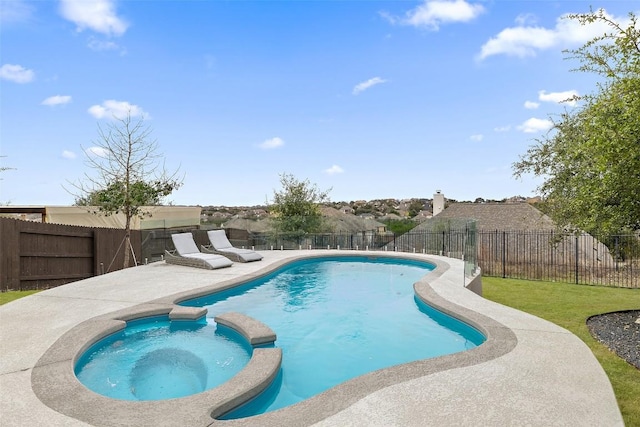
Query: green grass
point(6, 297)
point(569, 306)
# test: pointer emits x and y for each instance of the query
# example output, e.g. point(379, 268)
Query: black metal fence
point(607, 260)
point(454, 243)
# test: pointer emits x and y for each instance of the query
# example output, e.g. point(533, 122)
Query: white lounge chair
point(221, 245)
point(187, 253)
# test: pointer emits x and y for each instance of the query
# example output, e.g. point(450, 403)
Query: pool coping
point(54, 370)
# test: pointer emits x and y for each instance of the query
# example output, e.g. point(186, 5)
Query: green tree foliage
point(128, 175)
point(400, 226)
point(296, 207)
point(590, 160)
point(112, 198)
point(415, 207)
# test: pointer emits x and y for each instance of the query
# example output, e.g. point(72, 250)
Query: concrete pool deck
point(529, 372)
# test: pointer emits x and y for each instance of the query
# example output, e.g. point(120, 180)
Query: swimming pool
point(336, 318)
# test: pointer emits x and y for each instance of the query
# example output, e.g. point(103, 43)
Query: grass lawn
point(569, 306)
point(6, 297)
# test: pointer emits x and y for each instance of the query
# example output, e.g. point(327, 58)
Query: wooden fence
point(36, 255)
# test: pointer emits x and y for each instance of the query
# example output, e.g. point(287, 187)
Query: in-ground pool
point(336, 318)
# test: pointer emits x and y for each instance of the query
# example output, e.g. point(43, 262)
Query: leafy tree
point(127, 173)
point(415, 207)
point(112, 197)
point(364, 209)
point(400, 226)
point(296, 207)
point(590, 160)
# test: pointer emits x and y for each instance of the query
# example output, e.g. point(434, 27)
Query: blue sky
point(373, 99)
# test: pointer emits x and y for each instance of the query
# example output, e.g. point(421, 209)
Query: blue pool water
point(335, 319)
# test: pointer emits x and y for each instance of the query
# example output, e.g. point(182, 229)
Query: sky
point(366, 99)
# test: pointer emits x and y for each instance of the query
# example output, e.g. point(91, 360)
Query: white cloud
point(530, 105)
point(272, 143)
point(97, 15)
point(97, 152)
point(526, 19)
point(56, 100)
point(519, 41)
point(116, 110)
point(361, 87)
point(523, 41)
point(16, 73)
point(102, 45)
point(477, 137)
point(69, 154)
point(566, 97)
point(433, 13)
point(333, 170)
point(534, 125)
point(506, 128)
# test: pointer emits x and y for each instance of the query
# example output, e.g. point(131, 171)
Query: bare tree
point(5, 168)
point(128, 173)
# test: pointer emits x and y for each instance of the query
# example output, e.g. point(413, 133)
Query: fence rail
point(607, 260)
point(36, 255)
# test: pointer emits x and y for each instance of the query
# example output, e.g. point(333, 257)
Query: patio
point(530, 372)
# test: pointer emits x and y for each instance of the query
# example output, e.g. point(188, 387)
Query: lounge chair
point(220, 245)
point(187, 253)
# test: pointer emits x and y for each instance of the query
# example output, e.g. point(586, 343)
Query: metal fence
point(459, 244)
point(36, 255)
point(606, 260)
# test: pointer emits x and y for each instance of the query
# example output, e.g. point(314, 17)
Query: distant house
point(335, 220)
point(422, 215)
point(367, 216)
point(510, 234)
point(249, 225)
point(340, 222)
point(494, 216)
point(155, 216)
point(390, 217)
point(346, 209)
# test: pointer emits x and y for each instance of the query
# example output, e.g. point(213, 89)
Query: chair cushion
point(218, 239)
point(184, 243)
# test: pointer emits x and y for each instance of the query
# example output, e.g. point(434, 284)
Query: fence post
point(576, 251)
point(616, 252)
point(10, 260)
point(504, 254)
